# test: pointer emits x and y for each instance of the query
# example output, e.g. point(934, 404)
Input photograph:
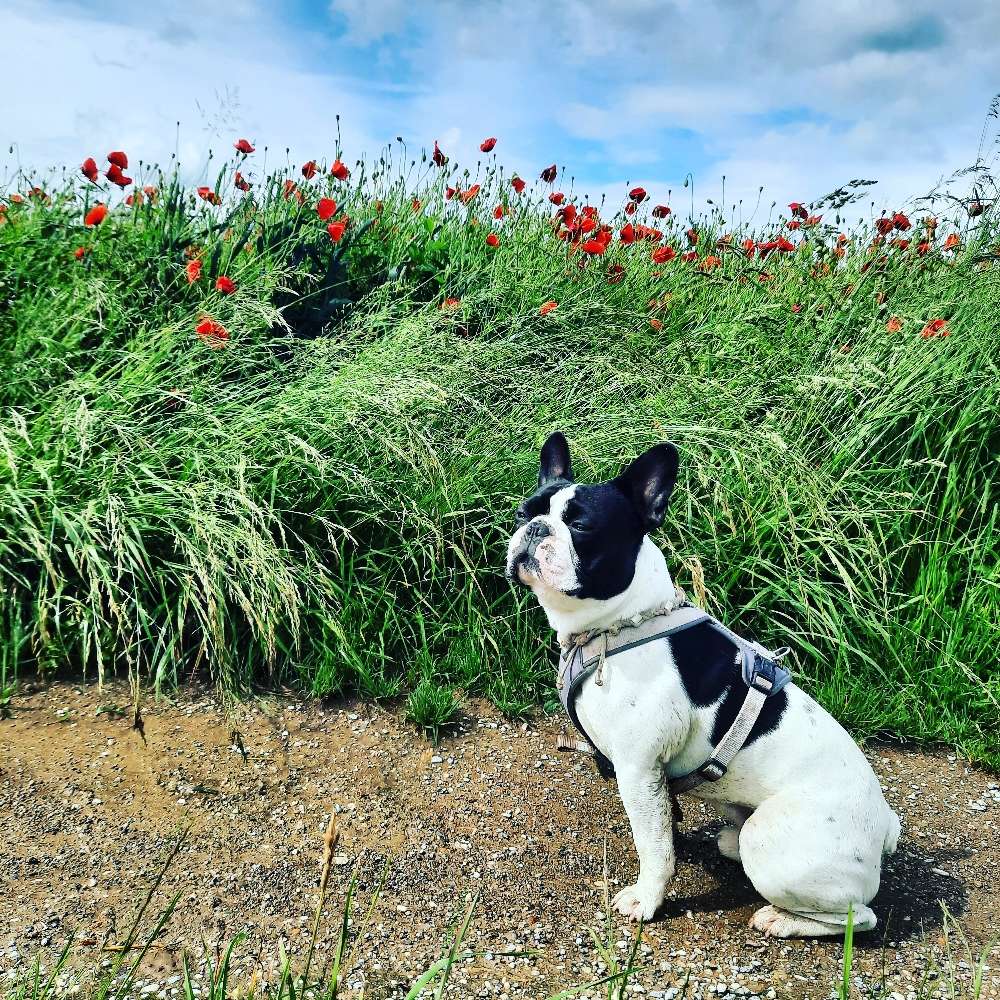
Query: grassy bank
point(315, 489)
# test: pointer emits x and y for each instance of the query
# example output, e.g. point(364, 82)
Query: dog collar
point(584, 654)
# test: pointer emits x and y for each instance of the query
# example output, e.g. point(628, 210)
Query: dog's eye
point(520, 516)
point(581, 526)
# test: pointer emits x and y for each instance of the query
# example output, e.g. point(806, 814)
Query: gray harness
point(584, 655)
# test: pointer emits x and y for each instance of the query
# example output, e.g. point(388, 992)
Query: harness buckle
point(763, 674)
point(712, 769)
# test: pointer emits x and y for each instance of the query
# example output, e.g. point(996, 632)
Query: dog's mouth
point(523, 568)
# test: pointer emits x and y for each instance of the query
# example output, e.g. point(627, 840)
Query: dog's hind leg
point(777, 922)
point(729, 835)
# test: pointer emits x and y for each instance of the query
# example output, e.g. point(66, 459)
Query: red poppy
point(661, 255)
point(935, 328)
point(548, 307)
point(326, 208)
point(416, 204)
point(225, 285)
point(628, 233)
point(794, 224)
point(594, 246)
point(814, 220)
point(615, 274)
point(135, 198)
point(798, 209)
point(923, 248)
point(689, 255)
point(784, 245)
point(450, 304)
point(952, 242)
point(796, 308)
point(89, 169)
point(902, 244)
point(692, 235)
point(309, 169)
point(214, 334)
point(557, 197)
point(900, 222)
point(337, 229)
point(549, 174)
point(631, 207)
point(207, 194)
point(749, 247)
point(883, 225)
point(437, 156)
point(339, 170)
point(655, 323)
point(115, 175)
point(517, 184)
point(894, 325)
point(588, 224)
point(568, 215)
point(119, 159)
point(241, 182)
point(976, 208)
point(638, 194)
point(487, 144)
point(710, 263)
point(498, 212)
point(467, 196)
point(493, 240)
point(193, 270)
point(150, 192)
point(243, 146)
point(79, 252)
point(96, 215)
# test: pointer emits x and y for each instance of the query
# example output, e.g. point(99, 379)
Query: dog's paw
point(779, 923)
point(636, 903)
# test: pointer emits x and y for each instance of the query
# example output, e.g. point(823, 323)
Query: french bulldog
point(805, 813)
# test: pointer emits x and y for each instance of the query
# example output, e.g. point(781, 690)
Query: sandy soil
point(90, 806)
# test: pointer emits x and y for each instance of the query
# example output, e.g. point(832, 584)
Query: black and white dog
point(809, 821)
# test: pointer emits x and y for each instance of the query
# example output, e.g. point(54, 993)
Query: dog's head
point(578, 541)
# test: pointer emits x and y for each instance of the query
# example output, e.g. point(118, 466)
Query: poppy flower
point(900, 222)
point(467, 196)
point(588, 224)
point(214, 334)
point(517, 184)
point(493, 240)
point(631, 207)
point(784, 245)
point(326, 208)
point(193, 270)
point(339, 170)
point(689, 256)
point(336, 230)
point(487, 144)
point(557, 197)
point(798, 209)
point(901, 244)
point(883, 225)
point(628, 234)
point(225, 285)
point(935, 328)
point(416, 204)
point(638, 194)
point(952, 242)
point(894, 325)
point(450, 304)
point(150, 192)
point(547, 307)
point(79, 253)
point(794, 224)
point(615, 274)
point(594, 246)
point(692, 235)
point(89, 169)
point(239, 181)
point(710, 263)
point(749, 247)
point(655, 323)
point(243, 146)
point(549, 174)
point(135, 198)
point(814, 220)
point(118, 159)
point(661, 211)
point(115, 175)
point(976, 208)
point(498, 212)
point(568, 215)
point(839, 252)
point(96, 215)
point(923, 248)
point(207, 194)
point(437, 156)
point(661, 255)
point(309, 169)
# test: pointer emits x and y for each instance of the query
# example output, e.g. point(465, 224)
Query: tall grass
point(323, 500)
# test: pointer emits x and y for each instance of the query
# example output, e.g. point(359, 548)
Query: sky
point(799, 97)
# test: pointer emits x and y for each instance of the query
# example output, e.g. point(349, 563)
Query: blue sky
point(798, 97)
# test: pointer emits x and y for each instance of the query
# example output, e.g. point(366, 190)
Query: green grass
point(324, 501)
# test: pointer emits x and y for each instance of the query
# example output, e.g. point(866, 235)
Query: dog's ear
point(554, 462)
point(648, 483)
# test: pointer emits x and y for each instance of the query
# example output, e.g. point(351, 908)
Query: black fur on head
point(606, 522)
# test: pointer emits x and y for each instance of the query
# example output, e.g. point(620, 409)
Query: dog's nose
point(536, 531)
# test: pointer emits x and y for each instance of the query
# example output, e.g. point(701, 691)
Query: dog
point(804, 810)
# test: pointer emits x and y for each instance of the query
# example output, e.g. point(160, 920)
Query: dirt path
point(88, 808)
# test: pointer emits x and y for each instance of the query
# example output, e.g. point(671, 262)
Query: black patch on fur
point(706, 660)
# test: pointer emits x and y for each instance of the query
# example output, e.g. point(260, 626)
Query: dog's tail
point(892, 834)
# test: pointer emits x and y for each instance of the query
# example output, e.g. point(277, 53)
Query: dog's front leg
point(644, 792)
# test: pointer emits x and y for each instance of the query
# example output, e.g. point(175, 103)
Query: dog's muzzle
point(533, 535)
